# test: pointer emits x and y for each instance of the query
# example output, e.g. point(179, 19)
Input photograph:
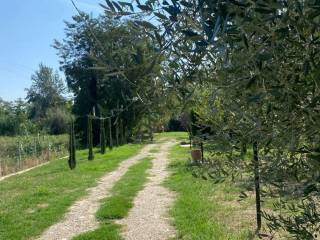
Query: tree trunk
point(102, 137)
point(90, 139)
point(126, 135)
point(257, 183)
point(117, 132)
point(121, 132)
point(243, 148)
point(72, 147)
point(110, 134)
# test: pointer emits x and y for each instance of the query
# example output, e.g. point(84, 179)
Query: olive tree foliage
point(261, 59)
point(109, 63)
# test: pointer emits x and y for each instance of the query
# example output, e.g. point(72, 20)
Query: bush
point(175, 125)
point(57, 121)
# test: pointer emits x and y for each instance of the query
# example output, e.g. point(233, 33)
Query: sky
point(27, 31)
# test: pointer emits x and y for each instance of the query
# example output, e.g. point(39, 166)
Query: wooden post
point(20, 155)
point(49, 149)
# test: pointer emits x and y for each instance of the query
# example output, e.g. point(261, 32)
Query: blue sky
point(28, 29)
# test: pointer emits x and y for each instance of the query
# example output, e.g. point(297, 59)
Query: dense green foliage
point(254, 65)
point(45, 92)
point(14, 118)
point(112, 66)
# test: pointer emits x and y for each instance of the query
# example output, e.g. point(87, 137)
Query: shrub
point(56, 121)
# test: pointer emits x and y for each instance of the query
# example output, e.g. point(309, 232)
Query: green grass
point(31, 202)
point(204, 210)
point(179, 136)
point(121, 201)
point(155, 150)
point(107, 231)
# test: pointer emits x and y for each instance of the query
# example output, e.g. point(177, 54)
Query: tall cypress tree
point(72, 147)
point(110, 134)
point(90, 138)
point(102, 137)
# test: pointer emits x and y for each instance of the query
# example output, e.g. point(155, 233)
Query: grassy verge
point(165, 136)
point(204, 210)
point(31, 202)
point(118, 205)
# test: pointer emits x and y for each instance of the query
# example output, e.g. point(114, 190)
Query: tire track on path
point(148, 219)
point(80, 217)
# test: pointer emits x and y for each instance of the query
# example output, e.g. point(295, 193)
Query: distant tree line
point(45, 108)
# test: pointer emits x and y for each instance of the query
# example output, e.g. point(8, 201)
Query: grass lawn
point(118, 205)
point(179, 136)
point(31, 202)
point(204, 210)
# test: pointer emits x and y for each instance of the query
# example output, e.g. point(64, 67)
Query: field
point(18, 153)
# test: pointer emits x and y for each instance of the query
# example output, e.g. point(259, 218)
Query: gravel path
point(81, 216)
point(148, 219)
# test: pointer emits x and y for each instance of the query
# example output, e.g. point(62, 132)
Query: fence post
point(49, 148)
point(20, 155)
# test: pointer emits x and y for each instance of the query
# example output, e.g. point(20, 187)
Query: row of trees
point(119, 136)
point(250, 69)
point(44, 110)
point(113, 67)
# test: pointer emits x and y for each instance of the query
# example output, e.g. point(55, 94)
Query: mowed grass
point(31, 202)
point(121, 201)
point(204, 210)
point(165, 136)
